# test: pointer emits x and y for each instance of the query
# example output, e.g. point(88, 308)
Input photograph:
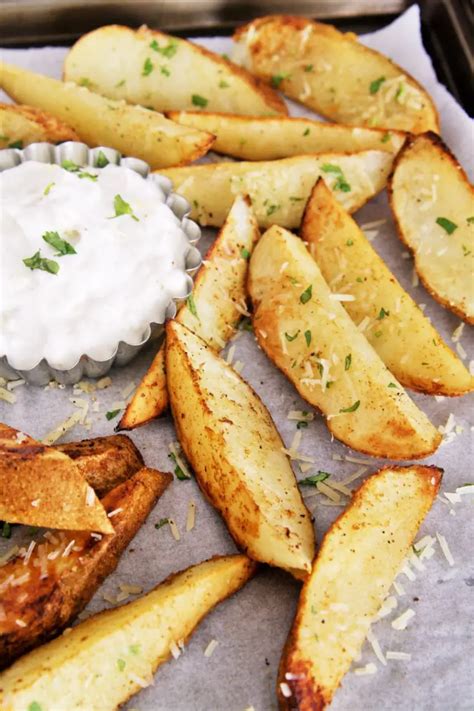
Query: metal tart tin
point(82, 155)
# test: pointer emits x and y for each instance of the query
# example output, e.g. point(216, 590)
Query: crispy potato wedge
point(433, 205)
point(132, 130)
point(41, 486)
point(359, 558)
point(305, 331)
point(103, 661)
point(397, 329)
point(269, 138)
point(104, 462)
point(63, 571)
point(279, 189)
point(154, 69)
point(218, 301)
point(22, 125)
point(236, 452)
point(333, 74)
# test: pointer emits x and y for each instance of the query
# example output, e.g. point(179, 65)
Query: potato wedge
point(269, 138)
point(132, 130)
point(359, 558)
point(433, 205)
point(217, 304)
point(41, 486)
point(154, 69)
point(333, 74)
point(397, 329)
point(104, 462)
point(236, 452)
point(305, 331)
point(22, 125)
point(63, 571)
point(111, 656)
point(279, 189)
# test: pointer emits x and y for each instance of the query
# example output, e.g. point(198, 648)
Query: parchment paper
point(252, 626)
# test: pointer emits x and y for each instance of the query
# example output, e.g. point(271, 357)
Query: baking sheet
point(252, 626)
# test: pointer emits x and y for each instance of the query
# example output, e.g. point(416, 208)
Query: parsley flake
point(350, 242)
point(102, 160)
point(307, 337)
point(6, 529)
point(352, 408)
point(277, 79)
point(294, 198)
point(446, 224)
point(290, 338)
point(72, 167)
point(135, 648)
point(348, 361)
point(245, 254)
point(466, 252)
point(306, 132)
point(302, 424)
point(200, 101)
point(190, 303)
point(385, 138)
point(39, 262)
point(48, 188)
point(271, 209)
point(376, 84)
point(121, 664)
point(168, 51)
point(120, 83)
point(223, 84)
point(63, 247)
point(148, 67)
point(377, 334)
point(307, 294)
point(16, 144)
point(165, 71)
point(341, 182)
point(35, 706)
point(391, 385)
point(84, 81)
point(111, 414)
point(308, 68)
point(470, 220)
point(122, 208)
point(178, 472)
point(382, 314)
point(162, 522)
point(313, 480)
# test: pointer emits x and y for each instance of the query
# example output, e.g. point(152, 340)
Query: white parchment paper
point(251, 627)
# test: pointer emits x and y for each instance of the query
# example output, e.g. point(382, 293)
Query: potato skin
point(52, 602)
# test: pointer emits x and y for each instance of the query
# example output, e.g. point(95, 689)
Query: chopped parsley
point(341, 183)
point(226, 57)
point(245, 254)
point(271, 209)
point(290, 338)
point(352, 408)
point(6, 529)
point(35, 706)
point(102, 160)
point(306, 132)
point(385, 138)
point(307, 294)
point(400, 90)
point(121, 664)
point(277, 79)
point(84, 81)
point(168, 51)
point(190, 303)
point(165, 71)
point(391, 385)
point(39, 262)
point(72, 167)
point(377, 334)
point(178, 472)
point(302, 424)
point(246, 325)
point(350, 242)
point(466, 252)
point(55, 241)
point(162, 522)
point(123, 208)
point(135, 648)
point(376, 84)
point(48, 188)
point(308, 68)
point(307, 337)
point(147, 67)
point(120, 83)
point(360, 280)
point(313, 480)
point(223, 84)
point(294, 198)
point(446, 224)
point(111, 414)
point(348, 361)
point(382, 314)
point(470, 220)
point(200, 101)
point(16, 144)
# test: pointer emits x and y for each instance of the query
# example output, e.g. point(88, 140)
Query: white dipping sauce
point(123, 276)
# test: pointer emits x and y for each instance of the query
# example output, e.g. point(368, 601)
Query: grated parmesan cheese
point(210, 647)
point(285, 690)
point(370, 668)
point(398, 656)
point(90, 495)
point(401, 622)
point(174, 529)
point(373, 641)
point(342, 297)
point(7, 396)
point(12, 384)
point(445, 548)
point(191, 517)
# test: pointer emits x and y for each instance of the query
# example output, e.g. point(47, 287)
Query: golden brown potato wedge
point(395, 327)
point(22, 125)
point(279, 189)
point(305, 331)
point(154, 69)
point(41, 486)
point(132, 130)
point(359, 558)
point(333, 74)
point(236, 452)
point(45, 588)
point(104, 462)
point(270, 138)
point(103, 661)
point(216, 306)
point(433, 205)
